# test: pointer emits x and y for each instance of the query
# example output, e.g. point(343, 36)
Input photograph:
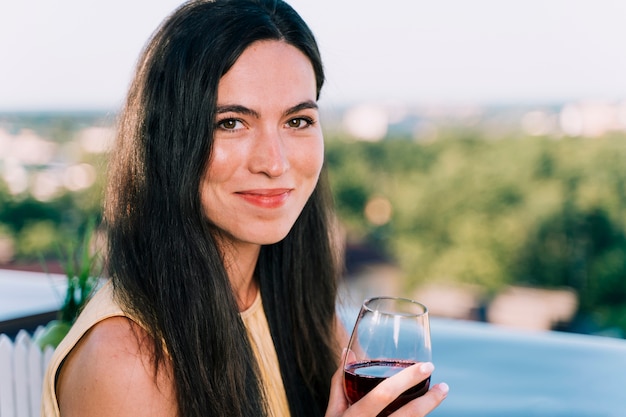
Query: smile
point(267, 198)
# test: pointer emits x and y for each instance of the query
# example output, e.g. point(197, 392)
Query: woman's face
point(268, 145)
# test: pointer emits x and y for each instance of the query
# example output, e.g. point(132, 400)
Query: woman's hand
point(385, 392)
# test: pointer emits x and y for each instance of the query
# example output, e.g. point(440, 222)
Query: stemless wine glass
point(390, 334)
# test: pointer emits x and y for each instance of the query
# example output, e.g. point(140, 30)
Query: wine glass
point(390, 334)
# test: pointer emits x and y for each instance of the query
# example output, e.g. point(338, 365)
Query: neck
point(245, 297)
point(240, 262)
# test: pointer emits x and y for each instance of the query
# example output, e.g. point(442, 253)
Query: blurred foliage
point(519, 210)
point(36, 228)
point(528, 211)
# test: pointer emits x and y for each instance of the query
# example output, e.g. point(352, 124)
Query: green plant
point(82, 266)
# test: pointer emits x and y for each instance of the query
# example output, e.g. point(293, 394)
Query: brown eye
point(299, 123)
point(229, 124)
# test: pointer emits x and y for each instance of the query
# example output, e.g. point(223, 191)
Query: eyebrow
point(309, 104)
point(237, 108)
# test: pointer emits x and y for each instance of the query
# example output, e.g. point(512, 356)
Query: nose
point(269, 154)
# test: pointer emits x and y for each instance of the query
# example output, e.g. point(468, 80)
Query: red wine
point(362, 377)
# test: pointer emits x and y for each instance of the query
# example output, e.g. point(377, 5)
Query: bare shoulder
point(110, 373)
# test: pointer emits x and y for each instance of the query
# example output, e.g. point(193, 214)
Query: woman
point(223, 272)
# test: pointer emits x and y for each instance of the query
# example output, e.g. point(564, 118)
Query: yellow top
point(265, 353)
point(103, 306)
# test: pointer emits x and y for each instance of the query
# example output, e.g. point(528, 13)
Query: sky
point(80, 54)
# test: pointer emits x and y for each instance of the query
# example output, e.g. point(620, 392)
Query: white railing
point(22, 368)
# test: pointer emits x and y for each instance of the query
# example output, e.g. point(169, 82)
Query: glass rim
point(367, 301)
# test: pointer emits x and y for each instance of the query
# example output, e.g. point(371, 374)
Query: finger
point(337, 402)
point(423, 405)
point(391, 388)
point(348, 356)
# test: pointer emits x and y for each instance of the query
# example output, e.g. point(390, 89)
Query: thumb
point(337, 403)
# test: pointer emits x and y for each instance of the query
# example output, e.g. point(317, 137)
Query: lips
point(266, 198)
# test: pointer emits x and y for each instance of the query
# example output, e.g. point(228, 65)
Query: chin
point(270, 238)
point(269, 232)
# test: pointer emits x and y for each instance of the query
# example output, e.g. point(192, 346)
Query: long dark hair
point(163, 259)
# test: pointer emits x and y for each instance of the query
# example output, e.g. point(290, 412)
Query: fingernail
point(427, 367)
point(443, 387)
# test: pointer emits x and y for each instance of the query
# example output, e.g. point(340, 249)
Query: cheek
point(311, 159)
point(220, 169)
point(219, 165)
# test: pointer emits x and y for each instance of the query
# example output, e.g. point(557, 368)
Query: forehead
point(267, 71)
